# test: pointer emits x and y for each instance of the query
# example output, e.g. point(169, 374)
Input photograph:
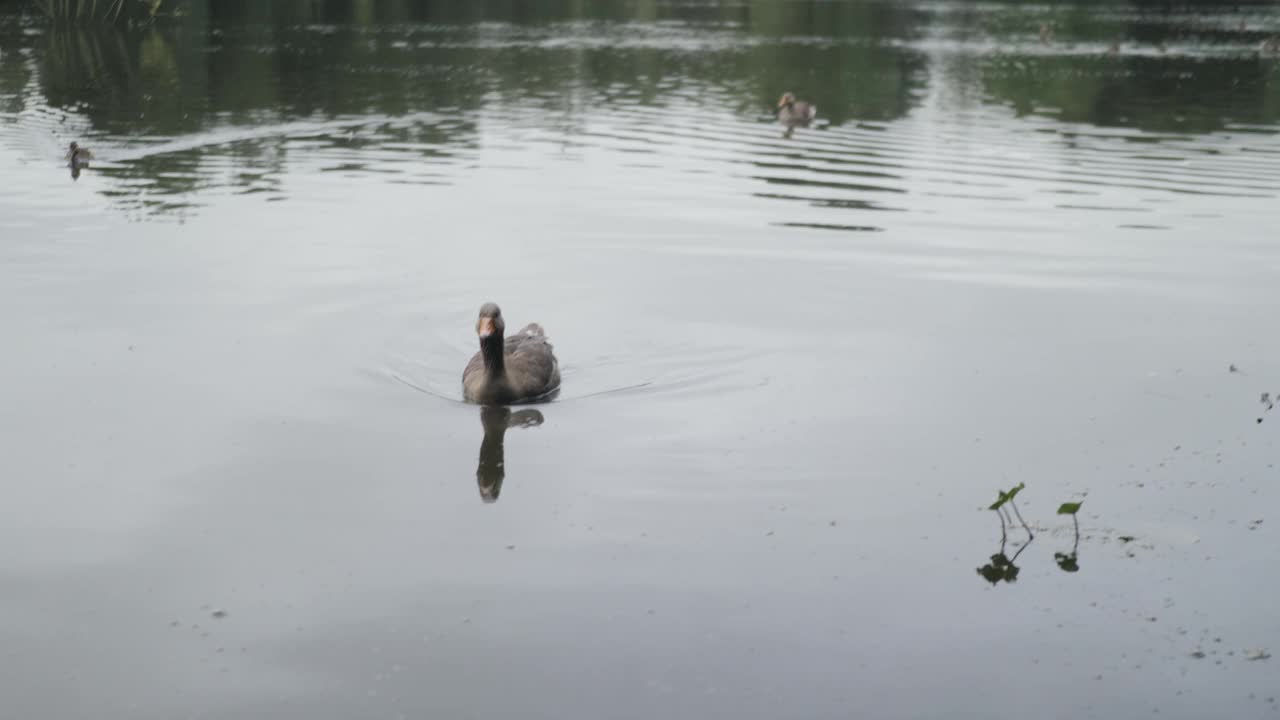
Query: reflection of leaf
point(1069, 508)
point(1000, 568)
point(1067, 562)
point(1006, 495)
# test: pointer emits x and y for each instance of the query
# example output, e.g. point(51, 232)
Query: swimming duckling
point(78, 155)
point(792, 112)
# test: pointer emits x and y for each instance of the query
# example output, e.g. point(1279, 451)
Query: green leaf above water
point(1069, 508)
point(1006, 495)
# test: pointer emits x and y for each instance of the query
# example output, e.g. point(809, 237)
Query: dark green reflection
point(213, 97)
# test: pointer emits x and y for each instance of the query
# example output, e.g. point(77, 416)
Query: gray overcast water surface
point(238, 481)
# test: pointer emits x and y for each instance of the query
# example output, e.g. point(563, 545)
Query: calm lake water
point(239, 481)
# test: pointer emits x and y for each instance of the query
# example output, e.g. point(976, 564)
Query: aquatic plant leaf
point(1069, 508)
point(1006, 495)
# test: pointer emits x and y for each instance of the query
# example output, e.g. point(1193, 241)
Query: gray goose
point(507, 371)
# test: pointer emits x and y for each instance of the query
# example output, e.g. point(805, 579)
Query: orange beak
point(485, 328)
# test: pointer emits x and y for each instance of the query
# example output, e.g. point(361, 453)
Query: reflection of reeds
point(89, 10)
point(74, 55)
point(77, 10)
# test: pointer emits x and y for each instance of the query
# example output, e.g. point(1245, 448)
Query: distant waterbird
point(792, 112)
point(78, 155)
point(77, 159)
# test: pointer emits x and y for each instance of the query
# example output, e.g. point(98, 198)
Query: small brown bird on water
point(793, 112)
point(78, 155)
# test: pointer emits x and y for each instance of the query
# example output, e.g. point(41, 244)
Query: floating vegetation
point(1069, 562)
point(1001, 567)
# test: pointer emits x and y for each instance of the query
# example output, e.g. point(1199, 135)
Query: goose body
point(792, 112)
point(78, 155)
point(510, 370)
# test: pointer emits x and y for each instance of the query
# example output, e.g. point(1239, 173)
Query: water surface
point(239, 480)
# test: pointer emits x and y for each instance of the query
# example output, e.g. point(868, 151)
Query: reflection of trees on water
point(1146, 87)
point(237, 65)
point(123, 81)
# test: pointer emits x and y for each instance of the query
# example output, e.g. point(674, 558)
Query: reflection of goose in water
point(518, 369)
point(77, 158)
point(491, 469)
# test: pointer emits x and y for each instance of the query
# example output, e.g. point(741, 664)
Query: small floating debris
point(1233, 368)
point(1256, 654)
point(1198, 654)
point(218, 614)
point(1268, 402)
point(1126, 538)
